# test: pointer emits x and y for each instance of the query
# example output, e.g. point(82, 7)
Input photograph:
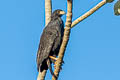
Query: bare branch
point(69, 25)
point(84, 16)
point(41, 76)
point(48, 12)
point(65, 39)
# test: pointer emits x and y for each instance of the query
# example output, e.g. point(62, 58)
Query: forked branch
point(68, 26)
point(90, 12)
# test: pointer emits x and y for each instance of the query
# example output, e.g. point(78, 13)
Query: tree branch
point(48, 12)
point(41, 75)
point(90, 12)
point(69, 25)
point(65, 39)
point(84, 16)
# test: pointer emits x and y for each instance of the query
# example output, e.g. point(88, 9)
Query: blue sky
point(93, 51)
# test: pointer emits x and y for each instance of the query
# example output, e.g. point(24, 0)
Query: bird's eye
point(50, 33)
point(58, 11)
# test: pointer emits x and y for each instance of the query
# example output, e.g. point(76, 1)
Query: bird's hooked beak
point(62, 12)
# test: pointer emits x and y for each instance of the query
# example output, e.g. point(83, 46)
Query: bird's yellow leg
point(54, 58)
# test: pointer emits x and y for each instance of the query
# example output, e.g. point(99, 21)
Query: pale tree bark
point(41, 75)
point(68, 23)
point(67, 31)
point(68, 26)
point(84, 16)
point(48, 12)
point(90, 12)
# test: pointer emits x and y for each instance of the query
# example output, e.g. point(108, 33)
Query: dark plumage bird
point(117, 8)
point(50, 41)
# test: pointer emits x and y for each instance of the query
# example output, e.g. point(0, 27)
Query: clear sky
point(93, 52)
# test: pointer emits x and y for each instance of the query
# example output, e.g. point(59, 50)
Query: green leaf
point(109, 1)
point(117, 8)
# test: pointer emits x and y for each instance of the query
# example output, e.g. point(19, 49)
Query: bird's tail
point(50, 68)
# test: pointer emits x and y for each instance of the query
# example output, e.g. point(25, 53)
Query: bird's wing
point(46, 43)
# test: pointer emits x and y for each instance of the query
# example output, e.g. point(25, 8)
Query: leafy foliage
point(109, 1)
point(117, 8)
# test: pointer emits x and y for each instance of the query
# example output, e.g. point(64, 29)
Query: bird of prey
point(117, 8)
point(50, 41)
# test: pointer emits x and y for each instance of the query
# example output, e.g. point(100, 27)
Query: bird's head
point(58, 13)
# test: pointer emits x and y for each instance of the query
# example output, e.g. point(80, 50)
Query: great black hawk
point(50, 41)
